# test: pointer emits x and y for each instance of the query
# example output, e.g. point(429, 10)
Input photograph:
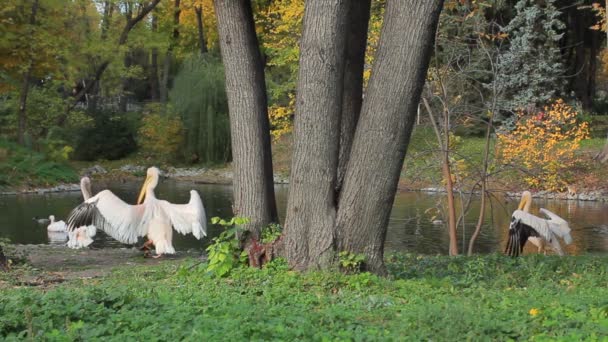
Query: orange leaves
point(545, 143)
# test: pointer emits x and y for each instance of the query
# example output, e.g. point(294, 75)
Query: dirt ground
point(45, 265)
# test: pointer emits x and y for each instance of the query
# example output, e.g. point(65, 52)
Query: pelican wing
point(187, 218)
point(107, 212)
point(519, 232)
point(558, 225)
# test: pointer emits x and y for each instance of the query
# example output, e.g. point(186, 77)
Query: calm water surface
point(410, 229)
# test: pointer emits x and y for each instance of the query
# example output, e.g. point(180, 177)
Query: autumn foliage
point(544, 144)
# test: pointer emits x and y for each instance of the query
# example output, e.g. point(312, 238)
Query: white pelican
point(82, 236)
point(58, 226)
point(152, 218)
point(527, 227)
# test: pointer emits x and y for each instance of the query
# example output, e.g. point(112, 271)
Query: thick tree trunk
point(201, 31)
point(164, 87)
point(247, 103)
point(311, 209)
point(25, 85)
point(385, 126)
point(352, 97)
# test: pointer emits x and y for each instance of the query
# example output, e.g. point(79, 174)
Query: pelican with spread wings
point(150, 217)
point(527, 227)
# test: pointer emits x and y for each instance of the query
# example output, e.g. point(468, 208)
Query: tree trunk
point(201, 31)
point(311, 209)
point(444, 145)
point(449, 185)
point(247, 103)
point(153, 74)
point(356, 43)
point(25, 87)
point(384, 128)
point(164, 88)
point(25, 84)
point(3, 261)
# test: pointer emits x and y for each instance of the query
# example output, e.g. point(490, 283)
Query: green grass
point(438, 298)
point(23, 167)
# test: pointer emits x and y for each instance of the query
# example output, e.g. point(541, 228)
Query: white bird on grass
point(153, 218)
point(82, 236)
point(527, 227)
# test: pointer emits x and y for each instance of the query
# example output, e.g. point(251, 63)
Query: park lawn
point(488, 297)
point(20, 166)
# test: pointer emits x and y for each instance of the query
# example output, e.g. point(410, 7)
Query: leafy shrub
point(160, 134)
point(271, 233)
point(351, 262)
point(111, 137)
point(545, 144)
point(225, 253)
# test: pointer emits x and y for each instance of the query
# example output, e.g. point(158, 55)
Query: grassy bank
point(22, 167)
point(439, 298)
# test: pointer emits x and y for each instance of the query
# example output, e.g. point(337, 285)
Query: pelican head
point(151, 181)
point(52, 218)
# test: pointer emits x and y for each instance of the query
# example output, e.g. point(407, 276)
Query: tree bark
point(3, 261)
point(25, 84)
point(164, 88)
point(311, 208)
point(153, 73)
point(384, 128)
point(352, 97)
point(201, 31)
point(247, 103)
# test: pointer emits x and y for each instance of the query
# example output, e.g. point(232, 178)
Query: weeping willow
point(199, 96)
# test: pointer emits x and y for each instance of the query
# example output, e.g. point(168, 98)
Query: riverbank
point(421, 171)
point(424, 297)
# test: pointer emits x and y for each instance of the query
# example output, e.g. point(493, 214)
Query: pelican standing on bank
point(527, 227)
point(82, 236)
point(151, 217)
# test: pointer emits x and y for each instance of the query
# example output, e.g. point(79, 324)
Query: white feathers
point(153, 218)
point(122, 221)
point(58, 226)
point(81, 237)
point(558, 225)
point(187, 218)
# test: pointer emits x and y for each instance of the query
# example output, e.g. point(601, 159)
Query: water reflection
point(410, 229)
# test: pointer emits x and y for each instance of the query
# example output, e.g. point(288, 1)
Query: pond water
point(411, 228)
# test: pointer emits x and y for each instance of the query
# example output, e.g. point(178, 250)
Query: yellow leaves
point(545, 144)
point(280, 118)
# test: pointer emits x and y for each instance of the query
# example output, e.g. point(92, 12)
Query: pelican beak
point(142, 193)
point(522, 203)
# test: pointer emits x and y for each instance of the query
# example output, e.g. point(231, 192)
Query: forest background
point(142, 82)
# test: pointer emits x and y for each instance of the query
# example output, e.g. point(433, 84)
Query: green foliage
point(199, 96)
point(21, 166)
point(531, 71)
point(111, 137)
point(425, 298)
point(271, 233)
point(351, 262)
point(161, 132)
point(225, 253)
